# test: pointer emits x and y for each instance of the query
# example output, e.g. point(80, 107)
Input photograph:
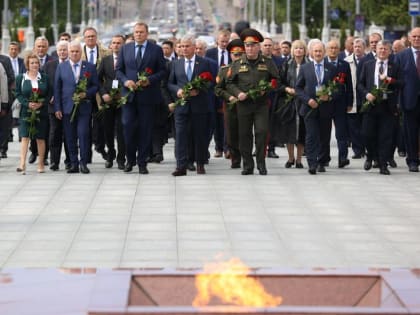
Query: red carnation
point(148, 70)
point(273, 83)
point(87, 75)
point(389, 80)
point(206, 76)
point(34, 90)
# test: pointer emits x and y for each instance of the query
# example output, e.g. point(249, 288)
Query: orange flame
point(229, 281)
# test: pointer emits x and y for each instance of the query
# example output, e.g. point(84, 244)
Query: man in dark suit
point(222, 57)
point(194, 112)
point(68, 75)
point(409, 62)
point(139, 57)
point(13, 66)
point(348, 48)
point(374, 38)
point(316, 110)
point(56, 135)
point(378, 120)
point(112, 115)
point(342, 103)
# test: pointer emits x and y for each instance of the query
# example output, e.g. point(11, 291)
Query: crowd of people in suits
point(125, 100)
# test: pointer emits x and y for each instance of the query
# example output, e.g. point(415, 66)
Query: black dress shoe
point(262, 170)
point(54, 167)
point(73, 169)
point(247, 172)
point(289, 164)
point(392, 163)
point(343, 163)
point(272, 154)
point(368, 165)
point(191, 167)
point(384, 171)
point(201, 169)
point(67, 166)
point(235, 165)
point(108, 164)
point(312, 170)
point(321, 168)
point(357, 156)
point(121, 165)
point(32, 158)
point(299, 165)
point(84, 169)
point(128, 167)
point(179, 172)
point(375, 164)
point(157, 158)
point(143, 170)
point(413, 168)
point(4, 155)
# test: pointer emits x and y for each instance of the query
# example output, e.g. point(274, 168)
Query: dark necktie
point(138, 56)
point(92, 57)
point(222, 59)
point(189, 70)
point(334, 63)
point(418, 62)
point(381, 68)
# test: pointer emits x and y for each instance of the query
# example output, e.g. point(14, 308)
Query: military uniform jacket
point(245, 75)
point(220, 87)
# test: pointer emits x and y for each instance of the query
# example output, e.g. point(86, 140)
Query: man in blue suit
point(409, 62)
point(194, 112)
point(135, 58)
point(68, 75)
point(342, 104)
point(316, 110)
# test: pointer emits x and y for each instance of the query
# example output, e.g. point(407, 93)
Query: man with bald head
point(409, 62)
point(398, 46)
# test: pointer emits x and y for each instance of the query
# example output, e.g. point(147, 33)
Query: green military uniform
point(231, 117)
point(253, 115)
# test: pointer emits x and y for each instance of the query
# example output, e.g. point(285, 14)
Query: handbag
point(16, 106)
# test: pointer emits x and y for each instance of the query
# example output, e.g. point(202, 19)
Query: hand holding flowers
point(378, 94)
point(34, 103)
point(262, 87)
point(79, 94)
point(192, 88)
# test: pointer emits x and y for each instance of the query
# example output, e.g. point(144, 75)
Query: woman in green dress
point(32, 91)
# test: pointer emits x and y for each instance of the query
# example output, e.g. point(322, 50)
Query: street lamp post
point(68, 24)
point(83, 23)
point(287, 25)
point(264, 23)
point(326, 26)
point(30, 35)
point(303, 31)
point(5, 34)
point(273, 26)
point(54, 24)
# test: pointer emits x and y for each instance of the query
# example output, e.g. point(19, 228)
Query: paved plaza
point(344, 218)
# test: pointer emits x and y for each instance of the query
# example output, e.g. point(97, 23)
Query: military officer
point(236, 50)
point(248, 80)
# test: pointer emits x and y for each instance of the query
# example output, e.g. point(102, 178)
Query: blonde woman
point(32, 91)
point(290, 126)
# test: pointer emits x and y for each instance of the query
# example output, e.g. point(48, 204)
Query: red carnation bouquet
point(33, 116)
point(77, 98)
point(381, 93)
point(201, 82)
point(262, 87)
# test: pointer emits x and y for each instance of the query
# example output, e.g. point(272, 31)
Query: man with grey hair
point(76, 119)
point(194, 114)
point(200, 47)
